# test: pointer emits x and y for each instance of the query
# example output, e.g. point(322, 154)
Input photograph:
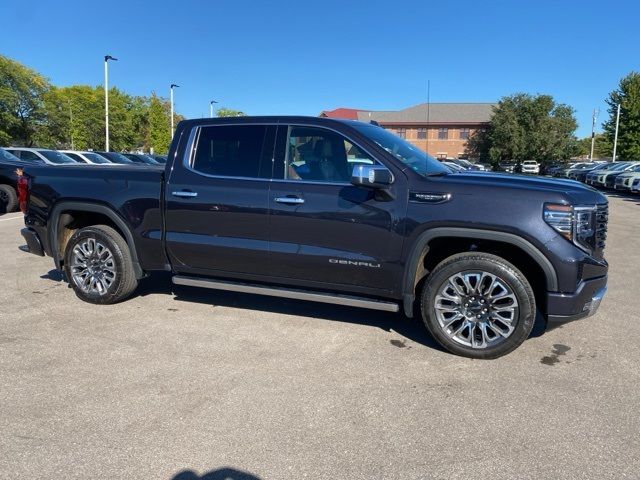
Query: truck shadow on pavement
point(410, 328)
point(219, 474)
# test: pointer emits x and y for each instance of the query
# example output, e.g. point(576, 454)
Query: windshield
point(8, 157)
point(408, 154)
point(619, 166)
point(95, 158)
point(116, 157)
point(56, 157)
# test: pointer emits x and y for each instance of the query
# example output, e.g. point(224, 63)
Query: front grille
point(602, 218)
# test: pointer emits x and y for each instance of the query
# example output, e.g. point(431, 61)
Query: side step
point(288, 293)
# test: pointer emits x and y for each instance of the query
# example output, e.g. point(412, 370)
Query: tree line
point(33, 112)
point(536, 127)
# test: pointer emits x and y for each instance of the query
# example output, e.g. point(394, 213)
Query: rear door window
point(242, 151)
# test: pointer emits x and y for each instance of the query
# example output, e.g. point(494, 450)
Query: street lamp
point(173, 85)
point(106, 100)
point(615, 139)
point(211, 108)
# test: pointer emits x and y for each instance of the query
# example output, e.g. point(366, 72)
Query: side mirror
point(371, 176)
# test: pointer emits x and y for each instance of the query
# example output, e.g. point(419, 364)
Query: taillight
point(23, 193)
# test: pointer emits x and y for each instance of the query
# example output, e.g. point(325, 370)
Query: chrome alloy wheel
point(476, 309)
point(93, 267)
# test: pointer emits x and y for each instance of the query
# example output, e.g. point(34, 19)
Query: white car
point(40, 155)
point(635, 186)
point(624, 181)
point(87, 157)
point(530, 166)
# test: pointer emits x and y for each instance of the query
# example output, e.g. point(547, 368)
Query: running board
point(288, 293)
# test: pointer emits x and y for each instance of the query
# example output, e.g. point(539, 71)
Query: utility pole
point(71, 124)
point(211, 108)
point(615, 138)
point(594, 119)
point(106, 100)
point(171, 88)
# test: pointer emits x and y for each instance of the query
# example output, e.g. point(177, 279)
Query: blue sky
point(300, 57)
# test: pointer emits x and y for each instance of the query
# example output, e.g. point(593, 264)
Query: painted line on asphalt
point(10, 218)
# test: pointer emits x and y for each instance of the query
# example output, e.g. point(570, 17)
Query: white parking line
point(10, 218)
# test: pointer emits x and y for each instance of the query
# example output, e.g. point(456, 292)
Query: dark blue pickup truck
point(331, 211)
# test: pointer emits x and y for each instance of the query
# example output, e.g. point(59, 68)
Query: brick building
point(441, 129)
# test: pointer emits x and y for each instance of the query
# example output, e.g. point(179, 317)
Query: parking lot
point(205, 384)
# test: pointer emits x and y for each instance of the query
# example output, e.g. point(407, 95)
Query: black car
point(333, 211)
point(9, 167)
point(115, 157)
point(140, 158)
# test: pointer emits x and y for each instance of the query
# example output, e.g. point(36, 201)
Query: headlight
point(576, 224)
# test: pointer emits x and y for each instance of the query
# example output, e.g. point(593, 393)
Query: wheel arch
point(63, 214)
point(416, 270)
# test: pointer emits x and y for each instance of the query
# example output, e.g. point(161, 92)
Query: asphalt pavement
point(198, 384)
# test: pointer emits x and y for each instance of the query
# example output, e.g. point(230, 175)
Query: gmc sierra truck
point(332, 211)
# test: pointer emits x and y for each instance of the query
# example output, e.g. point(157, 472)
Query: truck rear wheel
point(98, 264)
point(478, 305)
point(8, 198)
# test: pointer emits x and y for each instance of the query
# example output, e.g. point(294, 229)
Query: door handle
point(290, 200)
point(185, 194)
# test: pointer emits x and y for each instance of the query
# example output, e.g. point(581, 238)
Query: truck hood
point(577, 192)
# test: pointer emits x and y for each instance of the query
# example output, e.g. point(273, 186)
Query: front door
point(325, 231)
point(217, 202)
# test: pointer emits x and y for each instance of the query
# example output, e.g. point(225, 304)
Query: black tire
point(123, 284)
point(523, 314)
point(8, 198)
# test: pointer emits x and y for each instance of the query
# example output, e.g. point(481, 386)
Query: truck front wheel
point(478, 305)
point(98, 265)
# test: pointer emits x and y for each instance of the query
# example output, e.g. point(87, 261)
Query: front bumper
point(566, 307)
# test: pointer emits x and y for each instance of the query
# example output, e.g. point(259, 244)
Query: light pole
point(106, 100)
point(71, 124)
point(211, 108)
point(615, 138)
point(593, 131)
point(173, 85)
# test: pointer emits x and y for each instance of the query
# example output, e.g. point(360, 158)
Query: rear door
point(217, 201)
point(325, 231)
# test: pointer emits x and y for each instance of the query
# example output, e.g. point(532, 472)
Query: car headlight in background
point(576, 224)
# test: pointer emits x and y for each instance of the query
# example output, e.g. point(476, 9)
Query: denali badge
point(355, 263)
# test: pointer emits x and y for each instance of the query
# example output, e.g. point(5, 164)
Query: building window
point(443, 133)
point(402, 132)
point(422, 133)
point(464, 134)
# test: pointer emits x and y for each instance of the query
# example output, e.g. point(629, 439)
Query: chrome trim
point(290, 200)
point(288, 293)
point(185, 194)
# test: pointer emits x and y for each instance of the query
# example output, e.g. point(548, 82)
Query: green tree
point(21, 102)
point(602, 147)
point(628, 96)
point(527, 127)
point(159, 136)
point(228, 112)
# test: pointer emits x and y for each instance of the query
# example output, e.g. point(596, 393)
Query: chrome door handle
point(185, 194)
point(290, 200)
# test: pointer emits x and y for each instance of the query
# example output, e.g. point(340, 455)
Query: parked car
point(623, 180)
point(140, 158)
point(531, 167)
point(551, 169)
point(508, 167)
point(454, 167)
point(635, 186)
point(115, 157)
point(599, 177)
point(87, 157)
point(158, 158)
point(466, 164)
point(9, 165)
point(580, 174)
point(233, 211)
point(40, 155)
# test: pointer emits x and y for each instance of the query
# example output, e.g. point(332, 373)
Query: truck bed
point(132, 193)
